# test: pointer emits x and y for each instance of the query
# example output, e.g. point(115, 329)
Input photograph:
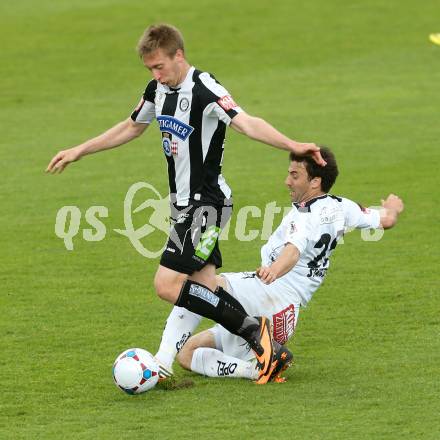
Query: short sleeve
point(216, 100)
point(359, 217)
point(297, 228)
point(145, 111)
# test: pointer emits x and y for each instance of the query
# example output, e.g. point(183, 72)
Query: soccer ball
point(135, 371)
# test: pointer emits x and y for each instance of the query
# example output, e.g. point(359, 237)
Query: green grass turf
point(360, 76)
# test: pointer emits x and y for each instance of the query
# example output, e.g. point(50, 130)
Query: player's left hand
point(393, 202)
point(309, 149)
point(266, 274)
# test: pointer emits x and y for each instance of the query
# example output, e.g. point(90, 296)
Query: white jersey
point(314, 228)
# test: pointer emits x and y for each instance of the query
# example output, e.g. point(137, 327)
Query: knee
point(161, 287)
point(166, 289)
point(184, 357)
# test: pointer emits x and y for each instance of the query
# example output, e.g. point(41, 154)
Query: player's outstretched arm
point(260, 130)
point(286, 260)
point(392, 206)
point(120, 134)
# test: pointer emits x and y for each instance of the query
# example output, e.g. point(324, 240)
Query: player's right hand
point(266, 274)
point(62, 159)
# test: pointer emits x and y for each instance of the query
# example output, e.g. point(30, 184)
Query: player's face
point(298, 182)
point(167, 70)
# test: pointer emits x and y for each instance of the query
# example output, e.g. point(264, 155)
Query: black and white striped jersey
point(192, 119)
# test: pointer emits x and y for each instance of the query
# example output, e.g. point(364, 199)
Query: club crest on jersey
point(184, 104)
point(171, 125)
point(166, 145)
point(293, 228)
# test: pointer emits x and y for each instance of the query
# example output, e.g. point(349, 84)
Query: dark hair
point(160, 36)
point(327, 174)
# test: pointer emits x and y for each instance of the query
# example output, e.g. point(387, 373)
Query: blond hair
point(160, 36)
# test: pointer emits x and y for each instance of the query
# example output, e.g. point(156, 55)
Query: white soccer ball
point(135, 371)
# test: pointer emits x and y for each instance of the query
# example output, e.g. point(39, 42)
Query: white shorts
point(282, 310)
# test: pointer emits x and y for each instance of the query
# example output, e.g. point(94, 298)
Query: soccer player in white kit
point(294, 263)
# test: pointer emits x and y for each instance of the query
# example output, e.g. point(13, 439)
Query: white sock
point(180, 325)
point(214, 363)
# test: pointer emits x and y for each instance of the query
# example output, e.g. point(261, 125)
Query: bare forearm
point(120, 134)
point(392, 206)
point(260, 130)
point(388, 217)
point(283, 264)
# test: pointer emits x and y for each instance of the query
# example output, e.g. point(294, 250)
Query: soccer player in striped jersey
point(294, 263)
point(193, 110)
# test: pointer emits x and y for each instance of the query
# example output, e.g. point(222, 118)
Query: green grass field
point(360, 76)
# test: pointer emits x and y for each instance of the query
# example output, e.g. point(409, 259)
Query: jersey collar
point(305, 206)
point(186, 84)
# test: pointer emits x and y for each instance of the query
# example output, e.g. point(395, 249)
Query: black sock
point(225, 295)
point(199, 299)
point(249, 324)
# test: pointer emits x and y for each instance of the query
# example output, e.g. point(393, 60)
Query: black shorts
point(193, 240)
